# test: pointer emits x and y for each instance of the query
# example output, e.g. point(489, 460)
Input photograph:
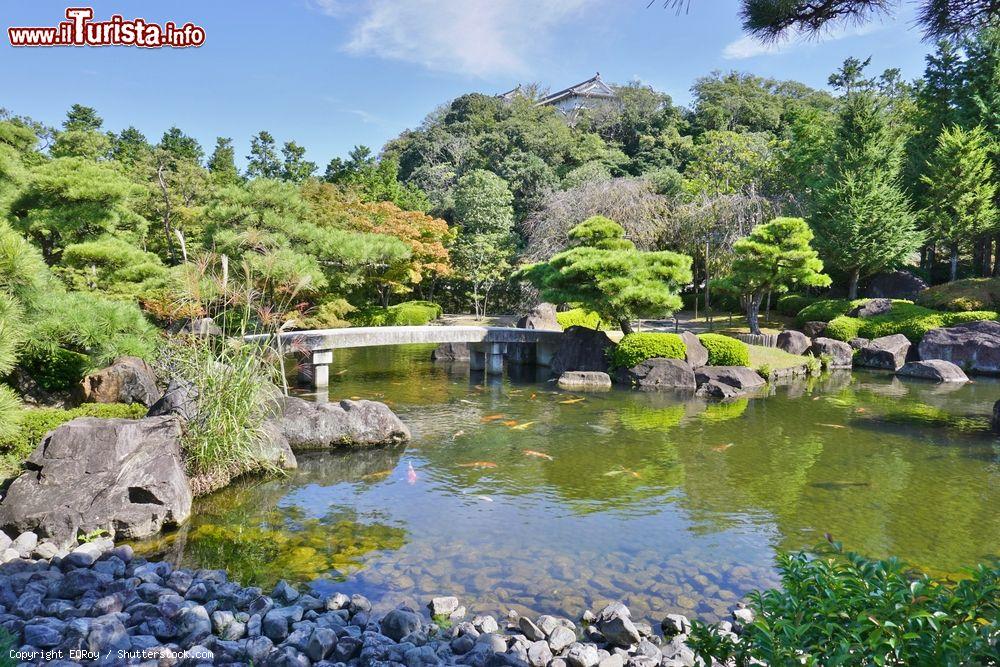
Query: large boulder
point(202, 326)
point(697, 354)
point(839, 353)
point(584, 380)
point(974, 346)
point(739, 377)
point(794, 342)
point(121, 475)
point(657, 373)
point(713, 389)
point(871, 308)
point(309, 426)
point(895, 285)
point(127, 380)
point(937, 370)
point(814, 329)
point(887, 352)
point(179, 400)
point(542, 316)
point(581, 349)
point(451, 352)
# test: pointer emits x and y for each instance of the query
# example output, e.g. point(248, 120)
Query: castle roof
point(593, 87)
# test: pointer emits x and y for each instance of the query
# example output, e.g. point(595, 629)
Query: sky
point(330, 74)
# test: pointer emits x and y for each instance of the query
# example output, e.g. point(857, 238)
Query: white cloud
point(475, 37)
point(750, 47)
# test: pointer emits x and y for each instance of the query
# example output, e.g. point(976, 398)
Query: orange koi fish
point(521, 427)
point(491, 418)
point(478, 464)
point(537, 455)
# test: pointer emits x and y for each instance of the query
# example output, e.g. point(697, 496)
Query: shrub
point(725, 351)
point(35, 423)
point(825, 310)
point(55, 368)
point(843, 328)
point(905, 318)
point(330, 314)
point(836, 608)
point(579, 317)
point(408, 313)
point(790, 304)
point(637, 347)
point(962, 295)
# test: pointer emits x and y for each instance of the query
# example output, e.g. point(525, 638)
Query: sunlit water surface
point(526, 497)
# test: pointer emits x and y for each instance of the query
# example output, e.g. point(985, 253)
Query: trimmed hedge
point(962, 295)
point(408, 313)
point(579, 317)
point(789, 305)
point(725, 351)
point(637, 347)
point(905, 318)
point(36, 423)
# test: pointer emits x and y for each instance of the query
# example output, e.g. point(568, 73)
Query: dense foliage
point(725, 351)
point(836, 608)
point(637, 347)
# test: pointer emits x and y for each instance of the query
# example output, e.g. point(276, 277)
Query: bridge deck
point(334, 339)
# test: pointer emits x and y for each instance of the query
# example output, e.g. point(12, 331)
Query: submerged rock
point(308, 425)
point(584, 380)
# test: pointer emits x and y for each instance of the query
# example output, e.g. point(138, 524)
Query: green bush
point(825, 310)
point(579, 317)
point(837, 608)
point(408, 313)
point(725, 351)
point(637, 347)
point(789, 305)
point(962, 295)
point(35, 423)
point(905, 318)
point(55, 369)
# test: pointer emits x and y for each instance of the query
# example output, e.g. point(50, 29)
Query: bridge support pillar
point(494, 362)
point(544, 352)
point(321, 360)
point(477, 357)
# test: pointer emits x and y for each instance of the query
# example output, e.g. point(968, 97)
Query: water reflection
point(524, 496)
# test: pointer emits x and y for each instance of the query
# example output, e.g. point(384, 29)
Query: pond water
point(516, 495)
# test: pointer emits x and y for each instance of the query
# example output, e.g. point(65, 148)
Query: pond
point(516, 495)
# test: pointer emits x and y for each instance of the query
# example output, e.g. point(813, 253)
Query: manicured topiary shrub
point(789, 305)
point(408, 313)
point(905, 318)
point(637, 347)
point(962, 295)
point(725, 351)
point(825, 310)
point(579, 317)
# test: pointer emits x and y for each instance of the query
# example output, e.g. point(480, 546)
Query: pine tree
point(862, 219)
point(222, 163)
point(296, 168)
point(960, 189)
point(263, 160)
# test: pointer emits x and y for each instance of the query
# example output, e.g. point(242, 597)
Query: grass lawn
point(773, 357)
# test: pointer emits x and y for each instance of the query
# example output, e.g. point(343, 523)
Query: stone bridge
point(487, 345)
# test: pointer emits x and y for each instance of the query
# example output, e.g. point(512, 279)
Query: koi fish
point(491, 418)
point(382, 474)
point(458, 434)
point(478, 464)
point(861, 410)
point(622, 471)
point(533, 397)
point(571, 401)
point(510, 422)
point(832, 425)
point(722, 448)
point(341, 372)
point(521, 427)
point(486, 499)
point(537, 455)
point(411, 474)
point(462, 400)
point(355, 398)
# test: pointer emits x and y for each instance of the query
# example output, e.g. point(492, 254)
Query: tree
point(861, 217)
point(180, 146)
point(775, 257)
point(295, 168)
point(82, 118)
point(726, 162)
point(222, 162)
point(960, 189)
point(263, 161)
point(130, 147)
point(605, 273)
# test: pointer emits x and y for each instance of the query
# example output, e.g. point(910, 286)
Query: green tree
point(222, 162)
point(776, 257)
point(83, 118)
point(605, 273)
point(263, 160)
point(87, 144)
point(295, 168)
point(861, 217)
point(181, 146)
point(960, 189)
point(484, 204)
point(130, 147)
point(727, 162)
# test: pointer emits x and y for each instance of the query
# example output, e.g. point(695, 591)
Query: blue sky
point(334, 73)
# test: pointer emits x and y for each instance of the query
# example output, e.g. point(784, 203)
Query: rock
point(560, 638)
point(542, 316)
point(887, 352)
point(615, 623)
point(120, 475)
point(697, 354)
point(179, 400)
point(398, 623)
point(203, 326)
point(739, 377)
point(45, 551)
point(321, 644)
point(858, 343)
point(127, 380)
point(539, 654)
point(838, 353)
point(25, 544)
point(581, 349)
point(895, 285)
point(582, 655)
point(937, 370)
point(713, 389)
point(310, 426)
point(530, 629)
point(974, 346)
point(675, 624)
point(658, 373)
point(443, 606)
point(743, 615)
point(451, 352)
point(793, 342)
point(283, 593)
point(871, 308)
point(814, 329)
point(485, 624)
point(584, 380)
